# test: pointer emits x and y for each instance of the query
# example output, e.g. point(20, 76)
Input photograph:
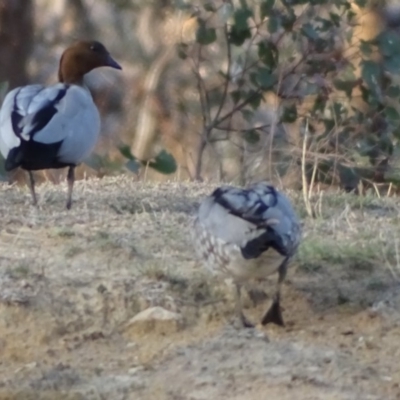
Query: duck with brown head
point(55, 126)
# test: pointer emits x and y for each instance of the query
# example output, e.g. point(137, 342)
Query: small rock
point(135, 370)
point(155, 320)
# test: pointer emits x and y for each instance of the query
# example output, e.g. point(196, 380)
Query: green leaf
point(209, 6)
point(392, 176)
point(240, 17)
point(274, 23)
point(125, 150)
point(289, 114)
point(181, 49)
point(329, 125)
point(164, 162)
point(371, 73)
point(255, 99)
point(339, 110)
point(180, 5)
point(324, 24)
point(247, 114)
point(392, 64)
point(205, 35)
point(238, 38)
point(335, 18)
point(309, 31)
point(320, 104)
point(393, 91)
point(240, 30)
point(388, 43)
point(347, 73)
point(266, 7)
point(366, 48)
point(265, 78)
point(288, 20)
point(345, 86)
point(101, 162)
point(268, 54)
point(365, 93)
point(252, 136)
point(340, 85)
point(350, 15)
point(349, 35)
point(236, 96)
point(310, 88)
point(133, 166)
point(392, 114)
point(396, 134)
point(361, 3)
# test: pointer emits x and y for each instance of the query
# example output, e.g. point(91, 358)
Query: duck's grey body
point(247, 234)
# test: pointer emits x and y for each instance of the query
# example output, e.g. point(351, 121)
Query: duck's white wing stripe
point(34, 110)
point(26, 110)
point(8, 138)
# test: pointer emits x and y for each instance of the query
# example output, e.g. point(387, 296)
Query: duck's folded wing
point(250, 205)
point(50, 115)
point(10, 113)
point(254, 219)
point(28, 110)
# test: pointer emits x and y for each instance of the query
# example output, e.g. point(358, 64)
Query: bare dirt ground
point(71, 281)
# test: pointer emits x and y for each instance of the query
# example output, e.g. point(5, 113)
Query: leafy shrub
point(340, 92)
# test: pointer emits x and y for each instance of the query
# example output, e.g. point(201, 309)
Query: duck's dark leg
point(274, 314)
point(70, 181)
point(31, 184)
point(239, 309)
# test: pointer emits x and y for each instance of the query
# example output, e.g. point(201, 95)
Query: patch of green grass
point(155, 271)
point(64, 232)
point(73, 251)
point(341, 199)
point(20, 271)
point(106, 241)
point(360, 255)
point(152, 270)
point(326, 204)
point(377, 285)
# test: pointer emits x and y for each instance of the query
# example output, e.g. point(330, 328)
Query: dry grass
point(70, 281)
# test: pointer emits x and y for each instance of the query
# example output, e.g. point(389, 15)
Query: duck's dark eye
point(97, 47)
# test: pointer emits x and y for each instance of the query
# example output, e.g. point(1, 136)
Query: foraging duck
point(55, 126)
point(248, 234)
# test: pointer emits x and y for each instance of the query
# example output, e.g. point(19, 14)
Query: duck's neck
point(70, 79)
point(69, 73)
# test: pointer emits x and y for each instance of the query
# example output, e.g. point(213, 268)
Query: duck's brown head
point(82, 57)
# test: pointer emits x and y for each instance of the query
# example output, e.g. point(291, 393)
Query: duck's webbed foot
point(274, 314)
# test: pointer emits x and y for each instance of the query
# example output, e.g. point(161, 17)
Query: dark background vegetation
point(303, 93)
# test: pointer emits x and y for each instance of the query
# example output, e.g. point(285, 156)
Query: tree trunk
point(16, 40)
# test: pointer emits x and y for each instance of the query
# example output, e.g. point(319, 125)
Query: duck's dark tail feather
point(14, 159)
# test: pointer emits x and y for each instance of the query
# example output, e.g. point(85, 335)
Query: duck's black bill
point(112, 63)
